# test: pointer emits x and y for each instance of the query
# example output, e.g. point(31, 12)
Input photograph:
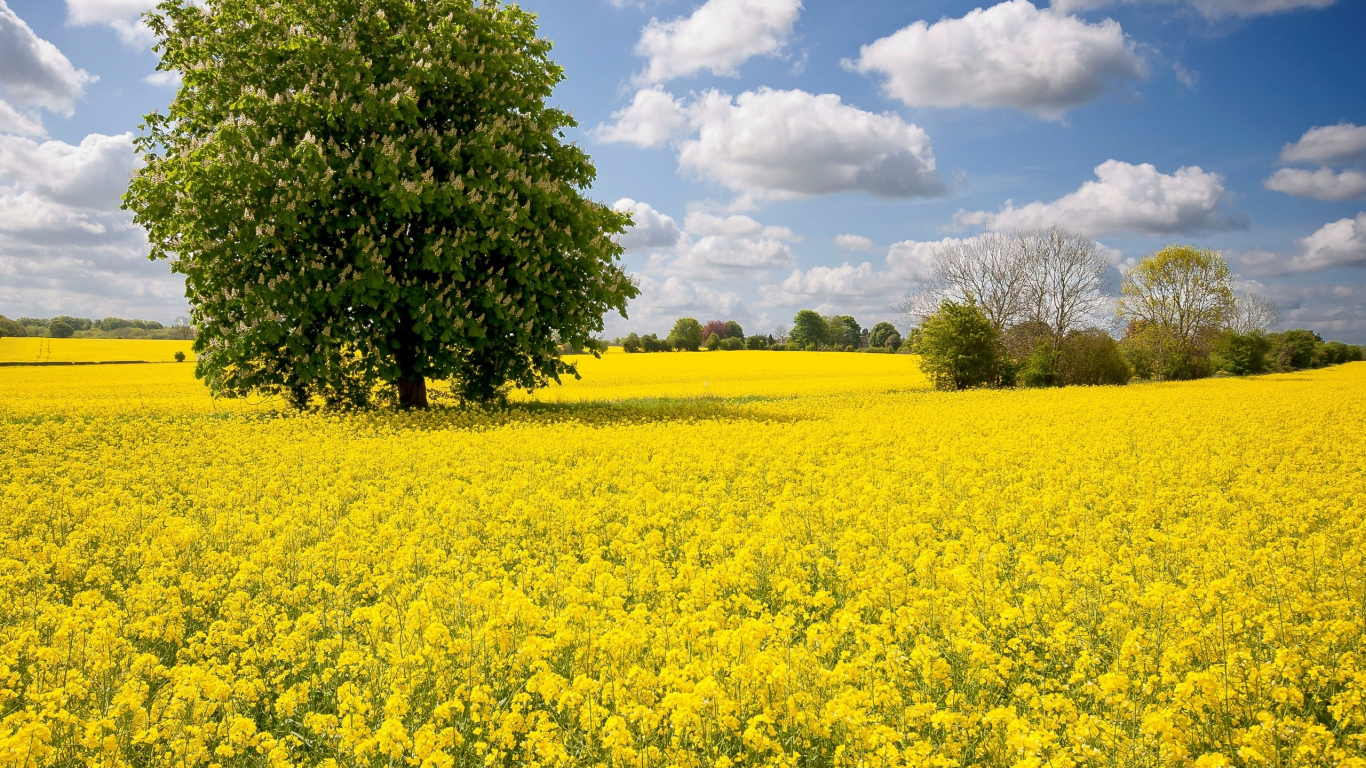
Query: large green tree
point(1175, 300)
point(808, 328)
point(373, 191)
point(687, 334)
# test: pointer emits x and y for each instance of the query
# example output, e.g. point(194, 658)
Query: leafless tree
point(1253, 313)
point(780, 333)
point(1065, 279)
point(991, 269)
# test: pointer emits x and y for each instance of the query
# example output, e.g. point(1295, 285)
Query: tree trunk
point(413, 394)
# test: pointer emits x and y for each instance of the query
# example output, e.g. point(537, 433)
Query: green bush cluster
point(810, 332)
point(65, 327)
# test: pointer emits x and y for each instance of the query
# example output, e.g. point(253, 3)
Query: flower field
point(818, 563)
point(45, 350)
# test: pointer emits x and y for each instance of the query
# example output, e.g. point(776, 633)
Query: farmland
point(709, 559)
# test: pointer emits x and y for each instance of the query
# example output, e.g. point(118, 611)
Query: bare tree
point(1253, 314)
point(1065, 279)
point(991, 269)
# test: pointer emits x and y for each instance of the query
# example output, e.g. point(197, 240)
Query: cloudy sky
point(781, 154)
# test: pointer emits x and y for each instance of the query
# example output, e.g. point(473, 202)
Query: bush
point(652, 343)
point(179, 356)
point(732, 344)
point(10, 328)
point(756, 342)
point(686, 334)
point(1039, 369)
point(58, 329)
point(884, 335)
point(1241, 354)
point(957, 345)
point(1295, 349)
point(779, 347)
point(631, 344)
point(713, 343)
point(1091, 357)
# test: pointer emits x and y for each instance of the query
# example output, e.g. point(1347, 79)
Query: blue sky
point(780, 154)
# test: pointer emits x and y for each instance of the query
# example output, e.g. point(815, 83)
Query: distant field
point(31, 350)
point(718, 560)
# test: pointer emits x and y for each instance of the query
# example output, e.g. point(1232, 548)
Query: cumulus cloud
point(783, 144)
point(122, 16)
point(1322, 184)
point(718, 37)
point(1124, 198)
point(1210, 9)
point(720, 247)
point(853, 243)
point(33, 75)
point(662, 301)
point(649, 228)
point(1328, 145)
point(1010, 55)
point(793, 144)
point(64, 244)
point(1340, 243)
point(859, 288)
point(652, 119)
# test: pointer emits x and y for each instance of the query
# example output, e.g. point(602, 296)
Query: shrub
point(732, 344)
point(713, 343)
point(1241, 354)
point(1091, 357)
point(179, 356)
point(779, 347)
point(631, 344)
point(652, 343)
point(957, 345)
point(58, 329)
point(1296, 349)
point(1039, 368)
point(756, 342)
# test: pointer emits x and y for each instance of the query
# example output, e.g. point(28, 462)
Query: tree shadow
point(599, 413)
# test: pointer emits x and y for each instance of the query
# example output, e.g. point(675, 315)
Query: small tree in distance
point(58, 329)
point(686, 334)
point(957, 346)
point(373, 192)
point(808, 330)
point(884, 335)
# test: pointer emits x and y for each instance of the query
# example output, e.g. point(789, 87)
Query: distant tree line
point(810, 331)
point(65, 327)
point(1019, 309)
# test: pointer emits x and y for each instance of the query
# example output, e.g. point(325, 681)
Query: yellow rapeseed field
point(44, 350)
point(864, 574)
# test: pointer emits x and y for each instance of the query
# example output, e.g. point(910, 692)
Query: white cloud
point(914, 259)
point(649, 228)
point(720, 247)
point(1341, 243)
point(1322, 184)
point(1328, 145)
point(1211, 9)
point(122, 16)
point(653, 118)
point(853, 243)
point(793, 144)
point(718, 37)
point(34, 75)
point(1010, 55)
point(1125, 198)
point(64, 244)
point(163, 79)
point(845, 285)
point(663, 301)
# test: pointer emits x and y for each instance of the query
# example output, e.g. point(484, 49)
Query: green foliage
point(1177, 300)
point(713, 343)
point(652, 343)
point(1295, 349)
point(1039, 369)
point(686, 335)
point(631, 344)
point(884, 334)
point(366, 192)
point(74, 323)
point(179, 356)
point(59, 329)
point(957, 345)
point(808, 330)
point(1091, 357)
point(756, 342)
point(734, 330)
point(732, 344)
point(10, 328)
point(843, 331)
point(1241, 354)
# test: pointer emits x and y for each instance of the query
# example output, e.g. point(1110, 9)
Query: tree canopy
point(373, 191)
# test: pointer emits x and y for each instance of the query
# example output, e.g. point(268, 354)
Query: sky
point(780, 154)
